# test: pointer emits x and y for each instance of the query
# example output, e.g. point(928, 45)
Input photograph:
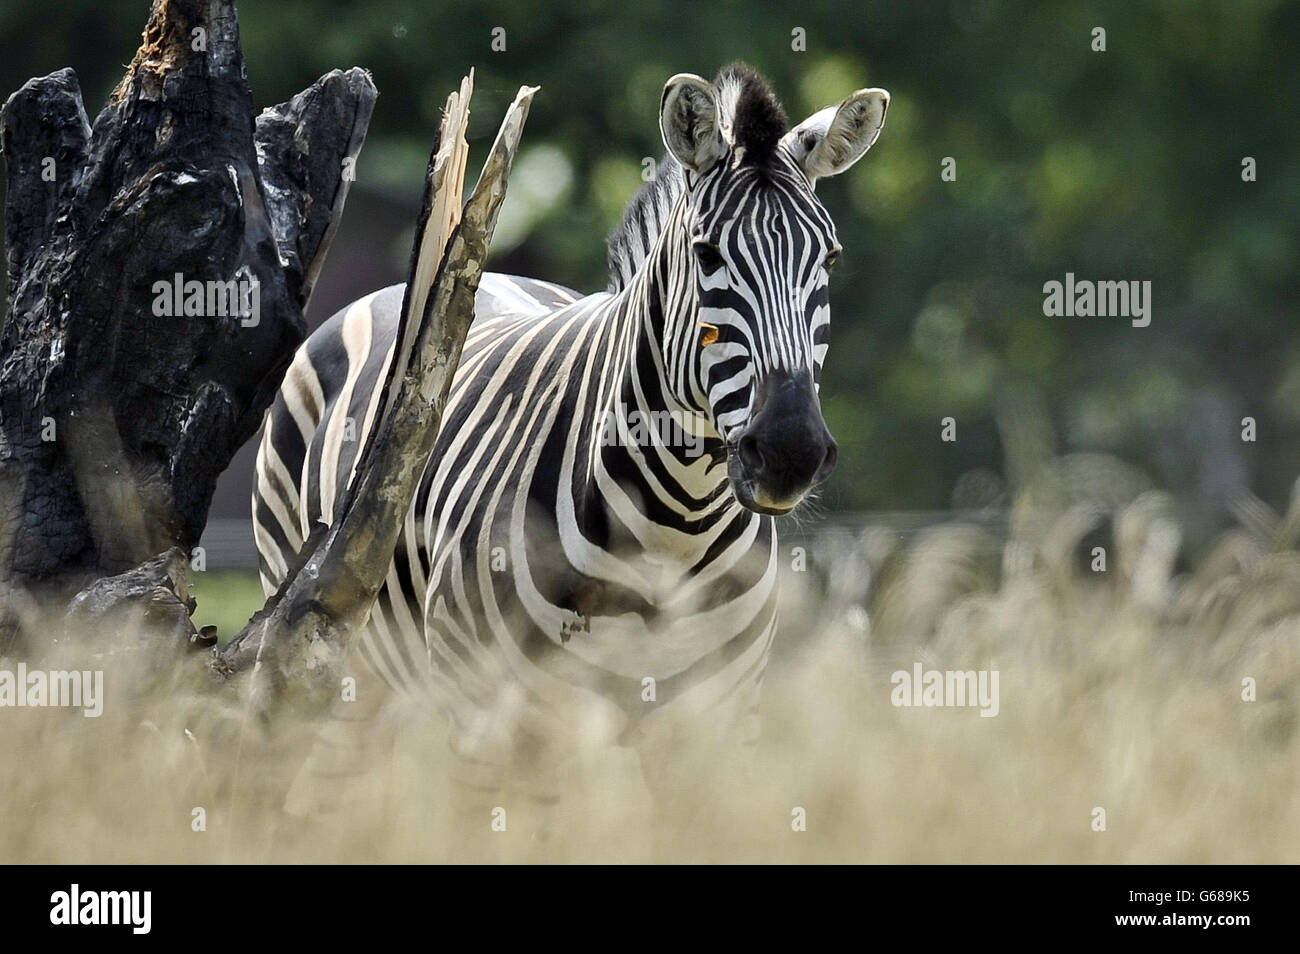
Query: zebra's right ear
point(688, 120)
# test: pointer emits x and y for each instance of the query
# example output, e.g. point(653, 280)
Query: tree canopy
point(1124, 164)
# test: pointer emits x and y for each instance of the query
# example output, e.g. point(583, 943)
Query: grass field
point(1119, 690)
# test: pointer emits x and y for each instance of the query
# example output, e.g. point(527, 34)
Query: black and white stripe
point(544, 572)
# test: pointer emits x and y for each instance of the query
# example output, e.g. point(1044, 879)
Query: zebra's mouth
point(771, 511)
point(748, 498)
point(750, 494)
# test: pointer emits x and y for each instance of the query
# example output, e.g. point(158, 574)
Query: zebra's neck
point(658, 456)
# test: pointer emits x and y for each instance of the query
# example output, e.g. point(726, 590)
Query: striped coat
point(591, 555)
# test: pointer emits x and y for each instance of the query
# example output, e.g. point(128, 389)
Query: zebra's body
point(564, 575)
point(526, 405)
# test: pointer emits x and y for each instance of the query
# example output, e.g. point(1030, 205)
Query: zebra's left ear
point(832, 139)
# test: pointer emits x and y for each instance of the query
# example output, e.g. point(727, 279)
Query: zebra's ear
point(831, 140)
point(688, 120)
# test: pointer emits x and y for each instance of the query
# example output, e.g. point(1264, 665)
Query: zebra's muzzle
point(784, 450)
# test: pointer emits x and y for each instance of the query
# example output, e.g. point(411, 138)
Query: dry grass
point(1120, 690)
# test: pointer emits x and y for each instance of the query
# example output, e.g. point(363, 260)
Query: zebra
point(591, 557)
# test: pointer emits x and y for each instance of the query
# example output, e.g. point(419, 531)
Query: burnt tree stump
point(117, 413)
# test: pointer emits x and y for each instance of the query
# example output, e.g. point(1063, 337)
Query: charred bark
point(117, 414)
point(120, 404)
point(299, 640)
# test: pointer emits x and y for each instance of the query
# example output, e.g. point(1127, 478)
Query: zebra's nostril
point(750, 455)
point(829, 461)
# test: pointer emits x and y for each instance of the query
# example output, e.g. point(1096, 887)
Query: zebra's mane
point(751, 118)
point(643, 220)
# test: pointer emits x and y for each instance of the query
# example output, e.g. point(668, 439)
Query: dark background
point(1121, 165)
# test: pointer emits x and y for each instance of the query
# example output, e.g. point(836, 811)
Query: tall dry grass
point(1119, 689)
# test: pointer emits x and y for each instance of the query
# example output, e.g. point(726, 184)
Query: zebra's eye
point(832, 257)
point(709, 257)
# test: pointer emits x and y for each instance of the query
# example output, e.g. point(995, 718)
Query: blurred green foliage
point(227, 599)
point(1123, 164)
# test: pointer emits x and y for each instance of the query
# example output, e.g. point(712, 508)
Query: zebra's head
point(759, 246)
